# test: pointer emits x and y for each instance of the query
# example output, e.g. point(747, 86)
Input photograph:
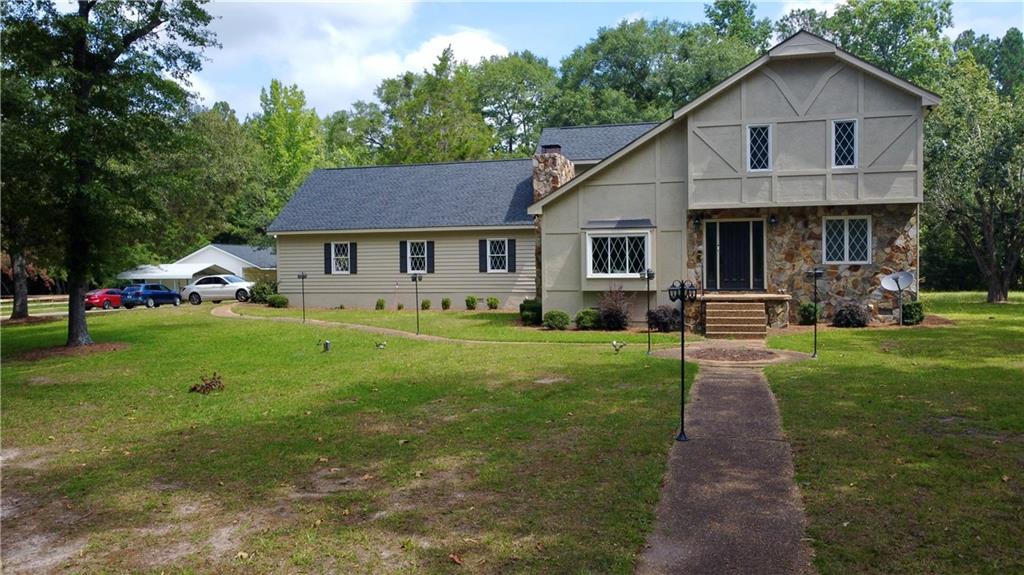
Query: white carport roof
point(165, 271)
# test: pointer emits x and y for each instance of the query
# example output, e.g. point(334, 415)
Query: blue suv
point(149, 295)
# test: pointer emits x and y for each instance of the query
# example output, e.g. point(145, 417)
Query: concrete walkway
point(729, 504)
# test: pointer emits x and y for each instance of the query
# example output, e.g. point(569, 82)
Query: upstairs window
point(844, 143)
point(759, 148)
point(622, 255)
point(847, 240)
point(340, 258)
point(497, 255)
point(418, 257)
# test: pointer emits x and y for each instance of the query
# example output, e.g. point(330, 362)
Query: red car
point(104, 298)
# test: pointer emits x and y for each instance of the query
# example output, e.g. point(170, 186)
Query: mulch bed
point(929, 321)
point(61, 351)
point(731, 354)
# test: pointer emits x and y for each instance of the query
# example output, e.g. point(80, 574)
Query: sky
point(337, 53)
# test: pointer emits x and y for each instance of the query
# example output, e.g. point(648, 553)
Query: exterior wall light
point(773, 219)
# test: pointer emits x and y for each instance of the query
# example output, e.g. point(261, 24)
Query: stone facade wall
point(550, 172)
point(794, 246)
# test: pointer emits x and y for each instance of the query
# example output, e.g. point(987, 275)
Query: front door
point(734, 255)
point(734, 258)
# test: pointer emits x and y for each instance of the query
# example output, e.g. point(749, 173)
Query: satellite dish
point(898, 282)
point(889, 283)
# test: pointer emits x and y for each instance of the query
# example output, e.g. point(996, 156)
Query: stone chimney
point(551, 170)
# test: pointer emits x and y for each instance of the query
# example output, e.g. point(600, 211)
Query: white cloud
point(336, 53)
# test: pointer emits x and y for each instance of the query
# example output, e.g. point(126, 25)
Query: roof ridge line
point(452, 163)
point(601, 125)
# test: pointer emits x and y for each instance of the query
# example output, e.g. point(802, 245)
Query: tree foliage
point(511, 92)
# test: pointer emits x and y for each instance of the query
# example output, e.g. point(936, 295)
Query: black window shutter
point(352, 257)
point(483, 256)
point(403, 251)
point(327, 259)
point(511, 255)
point(430, 257)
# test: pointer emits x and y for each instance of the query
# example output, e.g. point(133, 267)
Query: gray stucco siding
point(456, 269)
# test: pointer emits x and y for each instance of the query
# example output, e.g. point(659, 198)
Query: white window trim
point(770, 138)
point(846, 240)
point(408, 257)
point(334, 260)
point(856, 143)
point(618, 233)
point(497, 271)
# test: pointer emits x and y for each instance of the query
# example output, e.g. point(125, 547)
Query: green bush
point(277, 300)
point(493, 303)
point(588, 318)
point(425, 304)
point(471, 301)
point(341, 306)
point(531, 312)
point(401, 306)
point(446, 303)
point(614, 309)
point(556, 319)
point(381, 304)
point(913, 313)
point(809, 313)
point(664, 318)
point(850, 313)
point(262, 290)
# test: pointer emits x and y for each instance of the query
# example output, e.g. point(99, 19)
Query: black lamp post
point(648, 275)
point(816, 274)
point(682, 292)
point(302, 276)
point(416, 279)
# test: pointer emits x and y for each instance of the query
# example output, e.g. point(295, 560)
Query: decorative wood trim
point(703, 138)
point(889, 145)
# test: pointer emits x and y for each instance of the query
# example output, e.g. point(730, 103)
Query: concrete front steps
point(735, 320)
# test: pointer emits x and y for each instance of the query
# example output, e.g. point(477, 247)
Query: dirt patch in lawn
point(30, 320)
point(62, 351)
point(732, 354)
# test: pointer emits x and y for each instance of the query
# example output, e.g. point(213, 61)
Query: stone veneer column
point(551, 170)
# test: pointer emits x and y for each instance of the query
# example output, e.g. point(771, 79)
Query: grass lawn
point(472, 325)
point(34, 307)
point(525, 458)
point(909, 444)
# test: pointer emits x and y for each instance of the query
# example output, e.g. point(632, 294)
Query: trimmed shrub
point(401, 306)
point(913, 313)
point(425, 305)
point(446, 303)
point(531, 312)
point(381, 304)
point(261, 290)
point(341, 306)
point(850, 313)
point(277, 300)
point(471, 301)
point(556, 319)
point(809, 313)
point(664, 318)
point(614, 309)
point(587, 319)
point(493, 303)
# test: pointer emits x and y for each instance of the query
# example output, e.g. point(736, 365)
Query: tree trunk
point(998, 289)
point(20, 276)
point(78, 331)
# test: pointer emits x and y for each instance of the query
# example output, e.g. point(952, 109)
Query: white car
point(217, 289)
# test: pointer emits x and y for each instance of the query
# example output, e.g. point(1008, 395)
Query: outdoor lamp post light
point(302, 276)
point(816, 274)
point(416, 279)
point(648, 275)
point(682, 292)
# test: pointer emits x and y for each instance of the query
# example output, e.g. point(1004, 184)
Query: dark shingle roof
point(485, 193)
point(263, 258)
point(593, 143)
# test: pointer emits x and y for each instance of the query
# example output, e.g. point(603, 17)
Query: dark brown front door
point(734, 254)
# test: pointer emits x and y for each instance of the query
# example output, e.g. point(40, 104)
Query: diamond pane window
point(417, 256)
point(848, 240)
point(759, 148)
point(341, 259)
point(624, 255)
point(497, 255)
point(599, 255)
point(844, 143)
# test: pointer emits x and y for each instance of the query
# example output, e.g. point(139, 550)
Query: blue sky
point(338, 52)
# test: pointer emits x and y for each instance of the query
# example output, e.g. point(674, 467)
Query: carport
point(174, 276)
